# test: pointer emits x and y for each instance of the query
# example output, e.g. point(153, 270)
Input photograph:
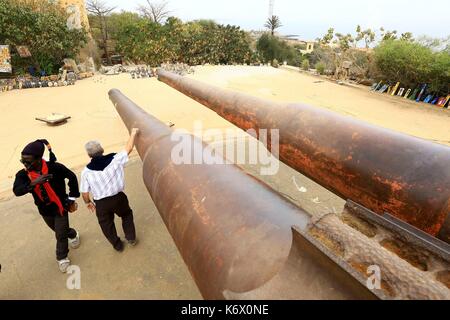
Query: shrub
point(361, 63)
point(325, 55)
point(305, 65)
point(440, 73)
point(194, 43)
point(320, 67)
point(403, 61)
point(271, 47)
point(275, 63)
point(296, 59)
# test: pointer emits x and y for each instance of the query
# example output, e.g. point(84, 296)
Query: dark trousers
point(60, 225)
point(106, 208)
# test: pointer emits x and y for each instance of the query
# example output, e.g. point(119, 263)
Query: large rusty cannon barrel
point(383, 170)
point(233, 231)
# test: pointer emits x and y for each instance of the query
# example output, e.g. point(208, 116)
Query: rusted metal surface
point(234, 232)
point(383, 170)
point(409, 234)
point(405, 271)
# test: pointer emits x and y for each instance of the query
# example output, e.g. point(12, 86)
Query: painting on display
point(5, 59)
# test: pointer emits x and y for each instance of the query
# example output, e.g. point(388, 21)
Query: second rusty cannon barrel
point(383, 170)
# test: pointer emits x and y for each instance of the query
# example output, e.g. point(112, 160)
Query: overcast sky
point(311, 19)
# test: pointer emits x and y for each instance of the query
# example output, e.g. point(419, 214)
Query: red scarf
point(33, 175)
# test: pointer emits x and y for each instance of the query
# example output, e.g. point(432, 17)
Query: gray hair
point(94, 149)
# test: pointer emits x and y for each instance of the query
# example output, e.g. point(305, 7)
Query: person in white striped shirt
point(104, 178)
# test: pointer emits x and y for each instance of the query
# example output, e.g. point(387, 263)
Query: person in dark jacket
point(46, 182)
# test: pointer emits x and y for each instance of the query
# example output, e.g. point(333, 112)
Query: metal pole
point(383, 170)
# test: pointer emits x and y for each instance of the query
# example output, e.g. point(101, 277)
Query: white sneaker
point(132, 243)
point(75, 243)
point(64, 265)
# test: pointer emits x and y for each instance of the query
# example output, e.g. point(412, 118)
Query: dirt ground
point(154, 269)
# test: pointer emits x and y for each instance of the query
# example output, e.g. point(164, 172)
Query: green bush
point(271, 47)
point(440, 73)
point(305, 65)
point(412, 64)
point(43, 29)
point(194, 43)
point(275, 63)
point(320, 67)
point(326, 55)
point(362, 62)
point(296, 59)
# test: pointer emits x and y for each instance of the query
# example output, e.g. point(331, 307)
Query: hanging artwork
point(5, 59)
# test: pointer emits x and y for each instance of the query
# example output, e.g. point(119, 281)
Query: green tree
point(117, 21)
point(367, 35)
point(344, 41)
point(273, 23)
point(359, 34)
point(174, 32)
point(142, 41)
point(388, 35)
point(402, 61)
point(194, 43)
point(272, 48)
point(324, 54)
point(320, 67)
point(305, 65)
point(407, 36)
point(235, 45)
point(43, 29)
point(440, 73)
point(327, 38)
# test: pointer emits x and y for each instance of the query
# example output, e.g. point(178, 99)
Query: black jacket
point(58, 183)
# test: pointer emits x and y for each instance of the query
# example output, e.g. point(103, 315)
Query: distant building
point(308, 45)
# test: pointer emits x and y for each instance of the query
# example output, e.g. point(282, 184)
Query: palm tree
point(273, 23)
